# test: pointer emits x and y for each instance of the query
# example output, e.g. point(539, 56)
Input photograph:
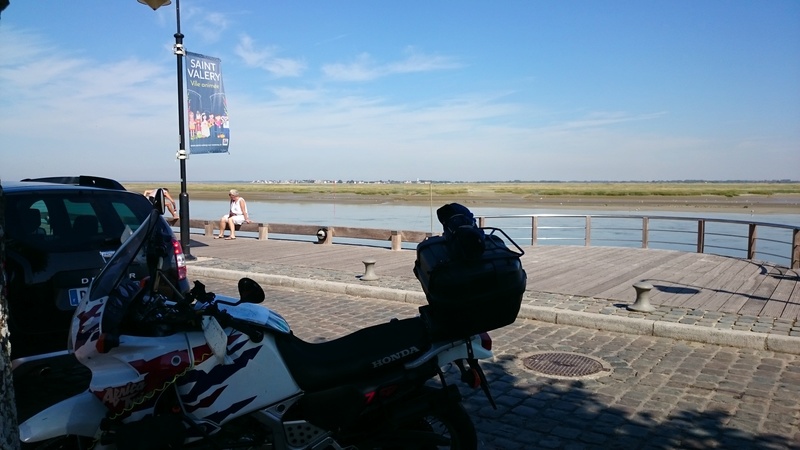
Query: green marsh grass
point(488, 189)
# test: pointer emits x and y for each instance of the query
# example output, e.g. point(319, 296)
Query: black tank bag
point(472, 280)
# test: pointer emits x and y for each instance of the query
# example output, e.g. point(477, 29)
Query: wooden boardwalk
point(680, 279)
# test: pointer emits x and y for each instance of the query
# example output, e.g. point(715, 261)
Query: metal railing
point(765, 241)
point(750, 240)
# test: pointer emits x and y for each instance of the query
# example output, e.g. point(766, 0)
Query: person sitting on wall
point(172, 207)
point(237, 215)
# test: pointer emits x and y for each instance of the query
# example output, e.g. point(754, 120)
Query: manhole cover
point(566, 365)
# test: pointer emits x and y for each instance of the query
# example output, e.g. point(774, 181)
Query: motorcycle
point(173, 367)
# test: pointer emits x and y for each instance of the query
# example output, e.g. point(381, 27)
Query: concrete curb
point(605, 322)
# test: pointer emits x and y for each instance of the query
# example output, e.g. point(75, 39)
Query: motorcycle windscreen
point(257, 315)
point(112, 290)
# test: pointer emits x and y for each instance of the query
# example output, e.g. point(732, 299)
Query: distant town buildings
point(345, 182)
point(418, 181)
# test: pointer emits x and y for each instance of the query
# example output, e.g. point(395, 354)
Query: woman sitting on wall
point(237, 215)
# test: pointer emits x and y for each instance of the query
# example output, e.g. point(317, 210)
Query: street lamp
point(182, 153)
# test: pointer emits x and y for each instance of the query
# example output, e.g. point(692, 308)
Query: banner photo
point(208, 110)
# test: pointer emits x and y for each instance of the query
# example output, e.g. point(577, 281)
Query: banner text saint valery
point(203, 70)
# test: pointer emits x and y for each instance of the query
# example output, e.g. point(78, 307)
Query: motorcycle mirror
point(250, 291)
point(159, 201)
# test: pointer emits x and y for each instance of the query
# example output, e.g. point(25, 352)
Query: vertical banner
point(208, 109)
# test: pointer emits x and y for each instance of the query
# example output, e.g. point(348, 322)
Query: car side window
point(38, 221)
point(83, 219)
point(24, 222)
point(28, 224)
point(127, 215)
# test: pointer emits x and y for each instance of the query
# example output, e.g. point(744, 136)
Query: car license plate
point(76, 295)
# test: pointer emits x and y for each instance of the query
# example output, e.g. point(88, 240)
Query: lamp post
point(182, 153)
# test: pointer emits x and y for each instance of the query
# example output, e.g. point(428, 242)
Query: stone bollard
point(642, 303)
point(369, 270)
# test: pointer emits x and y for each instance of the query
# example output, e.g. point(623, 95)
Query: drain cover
point(566, 365)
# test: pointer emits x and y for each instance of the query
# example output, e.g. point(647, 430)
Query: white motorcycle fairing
point(128, 379)
point(78, 415)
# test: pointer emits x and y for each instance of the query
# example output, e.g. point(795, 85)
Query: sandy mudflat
point(752, 204)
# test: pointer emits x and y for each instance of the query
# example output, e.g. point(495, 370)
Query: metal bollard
point(369, 270)
point(642, 303)
point(322, 236)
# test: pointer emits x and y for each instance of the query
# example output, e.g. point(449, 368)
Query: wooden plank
point(414, 236)
point(601, 271)
point(658, 276)
point(541, 265)
point(363, 233)
point(751, 278)
point(721, 286)
point(792, 310)
point(666, 279)
point(606, 268)
point(301, 253)
point(687, 279)
point(762, 293)
point(550, 260)
point(336, 258)
point(571, 269)
point(780, 296)
point(618, 280)
point(706, 283)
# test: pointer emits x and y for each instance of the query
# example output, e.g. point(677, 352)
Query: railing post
point(481, 221)
point(796, 248)
point(701, 235)
point(645, 232)
point(534, 229)
point(751, 241)
point(397, 240)
point(588, 239)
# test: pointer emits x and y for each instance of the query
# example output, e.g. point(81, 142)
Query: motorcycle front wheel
point(61, 443)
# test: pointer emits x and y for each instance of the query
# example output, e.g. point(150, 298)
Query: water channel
point(722, 238)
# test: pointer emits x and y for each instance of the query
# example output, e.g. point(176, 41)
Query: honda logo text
point(394, 357)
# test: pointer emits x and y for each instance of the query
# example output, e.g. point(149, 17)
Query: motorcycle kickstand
point(475, 371)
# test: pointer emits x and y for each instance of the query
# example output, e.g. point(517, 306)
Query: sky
point(461, 90)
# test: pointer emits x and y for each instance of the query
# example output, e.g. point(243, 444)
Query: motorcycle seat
point(364, 353)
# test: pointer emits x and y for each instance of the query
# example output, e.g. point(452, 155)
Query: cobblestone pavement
point(658, 393)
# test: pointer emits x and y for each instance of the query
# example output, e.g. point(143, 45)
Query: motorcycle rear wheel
point(449, 428)
point(452, 426)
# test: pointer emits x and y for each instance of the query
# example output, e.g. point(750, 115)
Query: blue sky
point(443, 90)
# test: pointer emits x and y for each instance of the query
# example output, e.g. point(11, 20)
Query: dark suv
point(59, 234)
